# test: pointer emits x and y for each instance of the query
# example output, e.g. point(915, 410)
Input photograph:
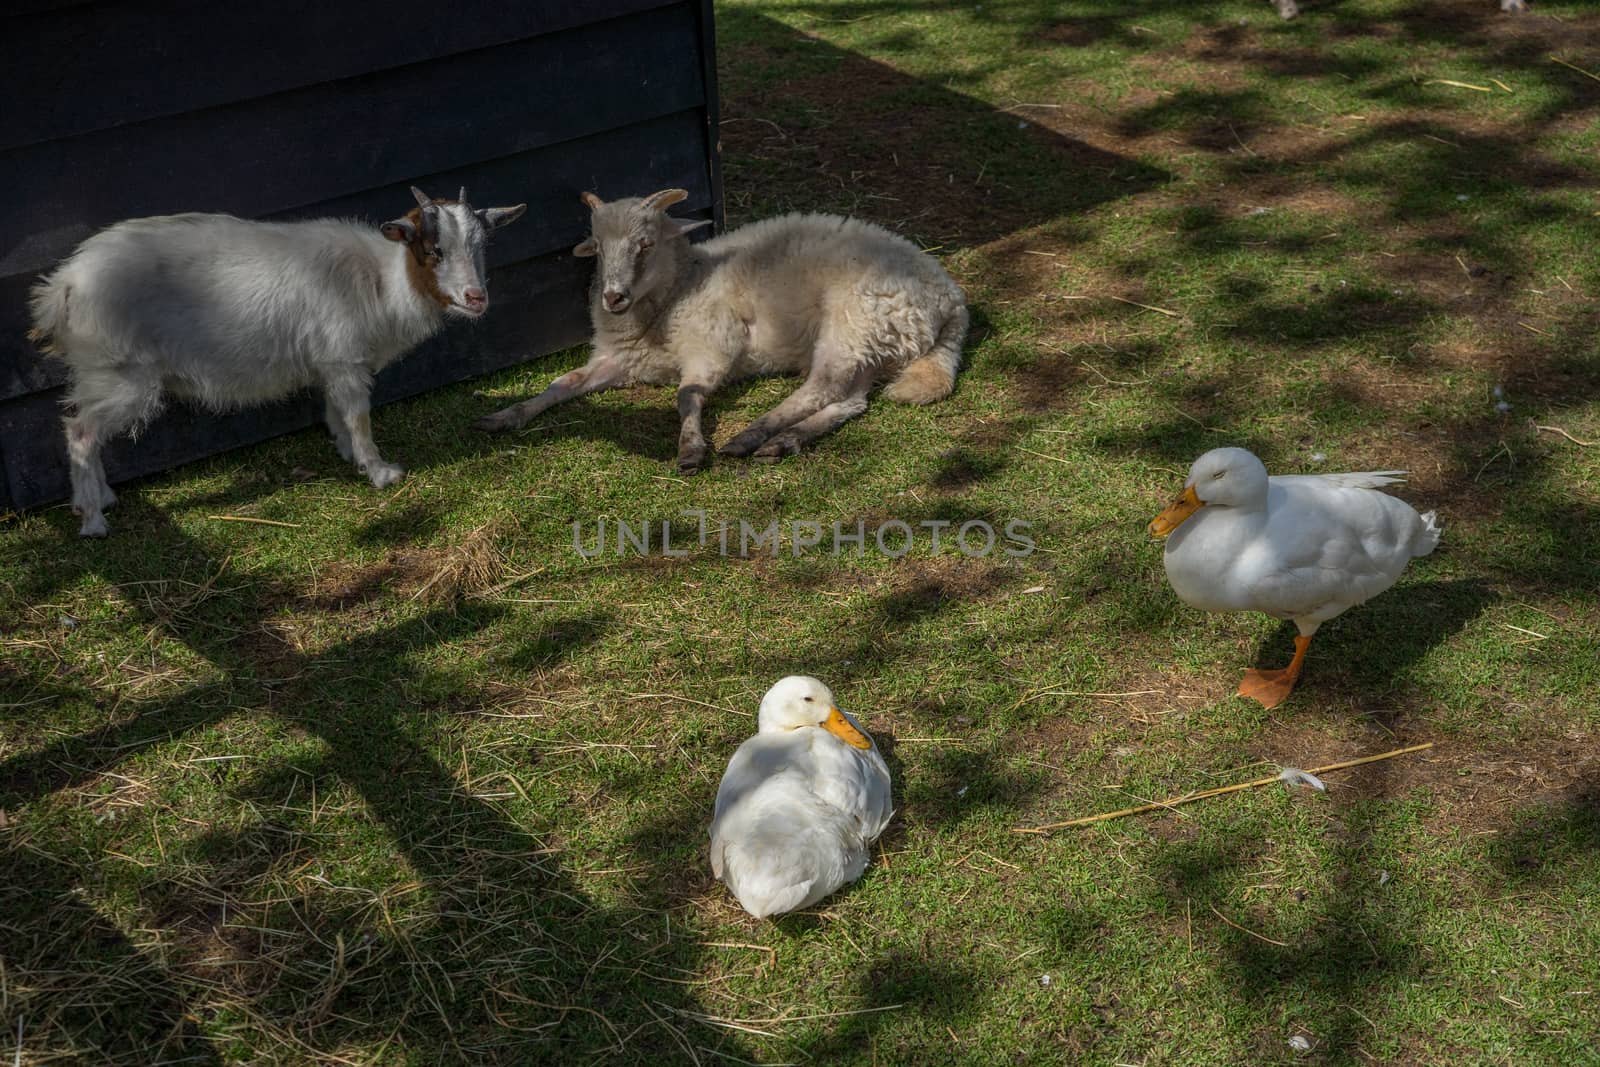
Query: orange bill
point(840, 727)
point(1175, 513)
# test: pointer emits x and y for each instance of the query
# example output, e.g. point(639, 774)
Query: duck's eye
point(810, 700)
point(1219, 474)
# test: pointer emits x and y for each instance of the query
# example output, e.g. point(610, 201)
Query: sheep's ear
point(585, 248)
point(495, 217)
point(594, 202)
point(423, 199)
point(401, 230)
point(683, 226)
point(663, 200)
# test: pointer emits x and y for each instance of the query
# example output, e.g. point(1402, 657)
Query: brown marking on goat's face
point(420, 261)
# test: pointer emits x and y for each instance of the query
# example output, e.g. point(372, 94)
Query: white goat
point(232, 313)
point(844, 302)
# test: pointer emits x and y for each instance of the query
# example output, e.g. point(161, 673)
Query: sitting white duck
point(800, 803)
point(1299, 546)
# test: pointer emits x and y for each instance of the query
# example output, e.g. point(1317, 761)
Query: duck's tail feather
point(1427, 535)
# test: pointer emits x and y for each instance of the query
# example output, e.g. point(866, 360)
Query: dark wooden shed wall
point(306, 109)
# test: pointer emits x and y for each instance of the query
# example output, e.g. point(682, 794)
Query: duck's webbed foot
point(1272, 688)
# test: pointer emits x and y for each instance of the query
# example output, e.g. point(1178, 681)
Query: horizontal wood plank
point(269, 156)
point(75, 67)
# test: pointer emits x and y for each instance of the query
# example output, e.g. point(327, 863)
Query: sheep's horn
point(664, 199)
point(423, 199)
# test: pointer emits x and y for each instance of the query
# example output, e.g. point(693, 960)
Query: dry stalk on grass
point(1188, 798)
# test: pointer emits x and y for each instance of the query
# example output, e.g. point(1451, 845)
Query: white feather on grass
point(1293, 776)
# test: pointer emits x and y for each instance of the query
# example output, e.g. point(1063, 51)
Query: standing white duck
point(1300, 546)
point(800, 803)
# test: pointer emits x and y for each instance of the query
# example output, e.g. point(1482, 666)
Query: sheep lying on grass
point(233, 313)
point(841, 301)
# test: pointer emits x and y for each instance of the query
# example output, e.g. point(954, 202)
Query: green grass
point(410, 781)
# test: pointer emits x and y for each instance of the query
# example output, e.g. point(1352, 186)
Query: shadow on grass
point(499, 955)
point(1370, 651)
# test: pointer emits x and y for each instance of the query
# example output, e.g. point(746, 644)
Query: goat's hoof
point(690, 460)
point(777, 448)
point(383, 475)
point(94, 526)
point(1513, 5)
point(108, 499)
point(343, 448)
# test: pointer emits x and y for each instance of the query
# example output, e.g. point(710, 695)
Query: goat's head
point(446, 239)
point(629, 236)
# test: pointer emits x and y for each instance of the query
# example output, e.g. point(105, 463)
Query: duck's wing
point(1331, 546)
point(1351, 480)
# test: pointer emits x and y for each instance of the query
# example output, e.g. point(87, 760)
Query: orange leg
point(1272, 687)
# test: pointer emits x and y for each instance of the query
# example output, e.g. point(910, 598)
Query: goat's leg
point(341, 434)
point(85, 435)
point(350, 395)
point(601, 372)
point(1287, 9)
point(691, 439)
point(98, 418)
point(1513, 5)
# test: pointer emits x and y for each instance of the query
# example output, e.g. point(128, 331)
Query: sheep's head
point(629, 236)
point(446, 239)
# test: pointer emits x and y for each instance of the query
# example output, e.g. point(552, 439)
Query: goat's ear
point(663, 200)
point(400, 230)
point(684, 226)
point(585, 248)
point(594, 202)
point(495, 217)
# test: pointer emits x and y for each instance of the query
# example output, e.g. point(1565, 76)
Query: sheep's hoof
point(383, 475)
point(690, 460)
point(776, 449)
point(507, 419)
point(93, 526)
point(742, 445)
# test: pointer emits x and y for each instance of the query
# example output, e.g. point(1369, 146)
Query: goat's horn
point(461, 197)
point(594, 202)
point(423, 199)
point(664, 199)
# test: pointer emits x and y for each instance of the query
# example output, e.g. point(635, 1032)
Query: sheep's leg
point(341, 434)
point(810, 398)
point(691, 439)
point(601, 372)
point(350, 396)
point(830, 418)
